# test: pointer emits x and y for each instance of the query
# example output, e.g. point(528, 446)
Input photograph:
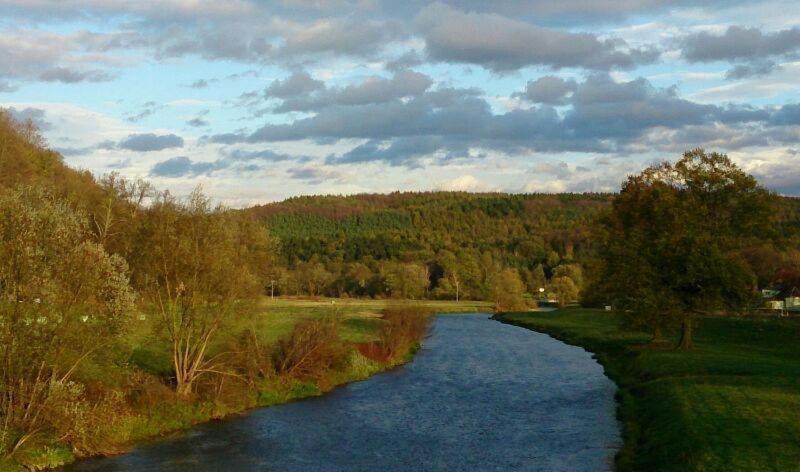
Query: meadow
point(731, 403)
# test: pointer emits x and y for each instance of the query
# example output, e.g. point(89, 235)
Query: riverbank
point(476, 397)
point(127, 399)
point(732, 403)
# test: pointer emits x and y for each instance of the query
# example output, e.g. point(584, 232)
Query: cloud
point(315, 175)
point(239, 160)
point(34, 115)
point(148, 142)
point(54, 57)
point(179, 167)
point(350, 36)
point(739, 43)
point(779, 172)
point(559, 169)
point(548, 89)
point(601, 115)
point(197, 122)
point(373, 89)
point(746, 71)
point(405, 61)
point(148, 109)
point(465, 183)
point(787, 115)
point(71, 76)
point(297, 84)
point(751, 49)
point(503, 44)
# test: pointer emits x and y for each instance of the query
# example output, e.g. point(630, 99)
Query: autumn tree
point(508, 291)
point(564, 289)
point(62, 297)
point(200, 274)
point(673, 238)
point(406, 280)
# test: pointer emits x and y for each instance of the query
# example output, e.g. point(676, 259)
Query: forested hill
point(26, 159)
point(427, 235)
point(414, 225)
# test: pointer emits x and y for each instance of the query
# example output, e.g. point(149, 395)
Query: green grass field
point(733, 403)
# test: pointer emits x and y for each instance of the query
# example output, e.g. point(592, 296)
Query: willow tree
point(62, 297)
point(197, 272)
point(673, 238)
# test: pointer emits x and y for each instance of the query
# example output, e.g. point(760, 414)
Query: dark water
point(480, 395)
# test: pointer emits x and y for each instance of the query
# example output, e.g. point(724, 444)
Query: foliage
point(198, 275)
point(508, 292)
point(62, 297)
point(313, 349)
point(402, 329)
point(564, 289)
point(672, 239)
point(371, 244)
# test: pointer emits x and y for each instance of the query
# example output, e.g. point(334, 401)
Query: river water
point(480, 395)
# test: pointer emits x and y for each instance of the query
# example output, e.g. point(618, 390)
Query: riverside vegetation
point(282, 350)
point(126, 313)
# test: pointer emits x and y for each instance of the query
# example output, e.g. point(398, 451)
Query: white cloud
point(465, 183)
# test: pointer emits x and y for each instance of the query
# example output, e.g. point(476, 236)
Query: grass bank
point(284, 350)
point(733, 403)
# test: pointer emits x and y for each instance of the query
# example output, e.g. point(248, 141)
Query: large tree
point(673, 238)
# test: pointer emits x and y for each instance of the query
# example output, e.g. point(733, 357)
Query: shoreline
point(613, 369)
point(291, 396)
point(730, 403)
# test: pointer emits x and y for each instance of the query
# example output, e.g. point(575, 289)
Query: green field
point(733, 403)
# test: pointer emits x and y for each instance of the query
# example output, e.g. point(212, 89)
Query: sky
point(257, 101)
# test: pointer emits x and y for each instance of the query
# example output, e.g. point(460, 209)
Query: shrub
point(146, 391)
point(312, 349)
point(250, 359)
point(402, 329)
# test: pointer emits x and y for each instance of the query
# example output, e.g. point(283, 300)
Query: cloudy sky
point(260, 100)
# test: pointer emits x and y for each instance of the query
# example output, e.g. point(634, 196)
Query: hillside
point(529, 226)
point(25, 159)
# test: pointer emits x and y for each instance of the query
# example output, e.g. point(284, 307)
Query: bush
point(402, 330)
point(311, 350)
point(146, 391)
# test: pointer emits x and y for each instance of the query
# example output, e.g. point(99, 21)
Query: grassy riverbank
point(733, 403)
point(128, 386)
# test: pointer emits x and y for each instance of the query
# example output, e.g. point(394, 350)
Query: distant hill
point(525, 229)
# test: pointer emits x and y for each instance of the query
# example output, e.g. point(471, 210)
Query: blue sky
point(261, 100)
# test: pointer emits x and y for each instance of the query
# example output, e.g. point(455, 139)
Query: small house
point(783, 300)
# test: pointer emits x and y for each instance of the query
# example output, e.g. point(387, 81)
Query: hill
point(25, 159)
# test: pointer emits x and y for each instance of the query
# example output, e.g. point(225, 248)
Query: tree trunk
point(687, 329)
point(184, 387)
point(658, 336)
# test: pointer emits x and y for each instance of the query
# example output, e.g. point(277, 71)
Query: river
point(480, 395)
